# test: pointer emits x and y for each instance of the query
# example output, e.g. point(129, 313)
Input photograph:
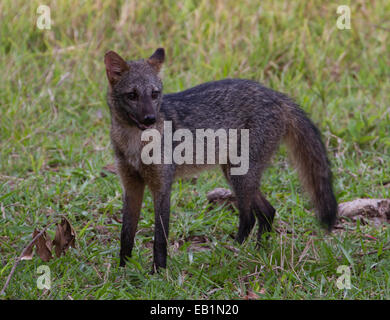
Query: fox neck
point(127, 139)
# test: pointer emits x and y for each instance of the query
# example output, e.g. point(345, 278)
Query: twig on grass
point(371, 252)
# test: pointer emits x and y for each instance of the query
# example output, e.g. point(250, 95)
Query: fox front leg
point(161, 199)
point(132, 200)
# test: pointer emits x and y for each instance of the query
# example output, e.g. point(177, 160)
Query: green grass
point(54, 141)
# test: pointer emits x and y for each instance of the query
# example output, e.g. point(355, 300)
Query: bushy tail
point(309, 156)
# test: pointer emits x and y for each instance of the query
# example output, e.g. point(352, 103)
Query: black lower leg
point(161, 207)
point(129, 227)
point(265, 214)
point(127, 243)
point(247, 221)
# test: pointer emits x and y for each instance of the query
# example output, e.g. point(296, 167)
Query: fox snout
point(147, 115)
point(146, 121)
point(149, 119)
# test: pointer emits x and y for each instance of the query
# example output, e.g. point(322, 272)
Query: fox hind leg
point(251, 203)
point(244, 191)
point(264, 212)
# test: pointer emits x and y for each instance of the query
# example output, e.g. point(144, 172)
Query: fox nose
point(149, 119)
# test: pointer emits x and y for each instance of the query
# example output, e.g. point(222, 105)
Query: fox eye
point(132, 95)
point(155, 94)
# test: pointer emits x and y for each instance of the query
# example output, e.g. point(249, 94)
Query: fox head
point(135, 89)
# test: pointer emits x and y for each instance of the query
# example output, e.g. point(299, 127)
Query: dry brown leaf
point(43, 247)
point(64, 238)
point(102, 229)
point(375, 211)
point(117, 219)
point(29, 252)
point(197, 239)
point(262, 291)
point(250, 295)
point(218, 194)
point(110, 168)
point(231, 248)
point(198, 243)
point(222, 196)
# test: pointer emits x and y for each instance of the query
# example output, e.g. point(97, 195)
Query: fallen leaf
point(221, 196)
point(29, 252)
point(250, 295)
point(110, 168)
point(64, 238)
point(117, 219)
point(43, 247)
point(198, 243)
point(197, 239)
point(231, 248)
point(374, 211)
point(101, 229)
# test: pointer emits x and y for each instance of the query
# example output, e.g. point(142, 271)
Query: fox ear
point(156, 59)
point(115, 66)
